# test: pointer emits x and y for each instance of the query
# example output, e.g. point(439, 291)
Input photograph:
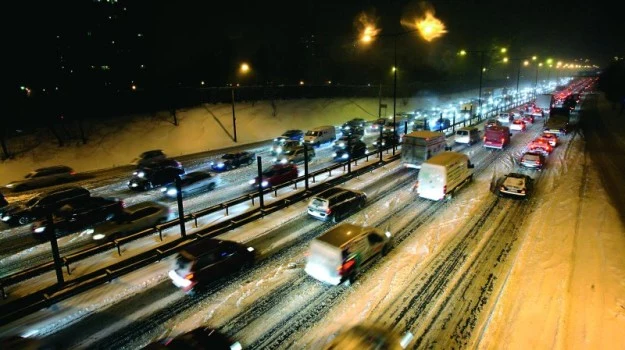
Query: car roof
point(54, 167)
point(330, 192)
point(203, 246)
point(517, 175)
point(66, 189)
point(342, 234)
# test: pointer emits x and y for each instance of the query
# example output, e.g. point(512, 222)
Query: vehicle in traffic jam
point(208, 260)
point(387, 139)
point(518, 125)
point(195, 182)
point(295, 155)
point(159, 163)
point(3, 202)
point(148, 178)
point(497, 137)
point(41, 205)
point(336, 203)
point(491, 123)
point(294, 134)
point(132, 219)
point(344, 140)
point(43, 177)
point(231, 161)
point(528, 118)
point(516, 185)
point(148, 157)
point(540, 144)
point(75, 217)
point(356, 149)
point(533, 160)
point(505, 118)
point(275, 175)
point(551, 138)
point(282, 144)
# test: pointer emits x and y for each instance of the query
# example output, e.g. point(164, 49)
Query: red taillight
point(346, 267)
point(445, 189)
point(484, 138)
point(502, 140)
point(122, 204)
point(72, 173)
point(328, 211)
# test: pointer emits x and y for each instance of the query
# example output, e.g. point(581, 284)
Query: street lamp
point(482, 68)
point(243, 69)
point(428, 27)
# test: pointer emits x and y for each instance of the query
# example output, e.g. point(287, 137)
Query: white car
point(518, 125)
point(505, 117)
point(516, 185)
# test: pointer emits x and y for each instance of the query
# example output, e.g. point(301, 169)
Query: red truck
point(497, 137)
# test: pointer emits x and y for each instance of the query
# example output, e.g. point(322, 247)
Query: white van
point(419, 146)
point(443, 174)
point(319, 135)
point(338, 255)
point(467, 135)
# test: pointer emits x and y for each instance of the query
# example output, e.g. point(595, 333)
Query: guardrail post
point(183, 230)
point(119, 248)
point(67, 266)
point(260, 181)
point(380, 142)
point(313, 178)
point(194, 220)
point(227, 211)
point(305, 166)
point(4, 294)
point(160, 233)
point(453, 124)
point(58, 267)
point(349, 160)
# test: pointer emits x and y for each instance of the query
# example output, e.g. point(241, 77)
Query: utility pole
point(394, 94)
point(234, 118)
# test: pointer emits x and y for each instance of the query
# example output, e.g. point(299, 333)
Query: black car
point(80, 215)
point(207, 260)
point(345, 140)
point(148, 178)
point(159, 163)
point(441, 124)
point(295, 134)
point(230, 161)
point(44, 177)
point(148, 157)
point(358, 149)
point(386, 140)
point(199, 338)
point(354, 127)
point(192, 183)
point(42, 205)
point(336, 203)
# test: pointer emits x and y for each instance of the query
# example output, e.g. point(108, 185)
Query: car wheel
point(385, 249)
point(211, 186)
point(23, 220)
point(334, 219)
point(250, 161)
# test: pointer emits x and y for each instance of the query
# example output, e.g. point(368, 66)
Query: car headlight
point(6, 218)
point(220, 165)
point(134, 184)
point(98, 236)
point(388, 234)
point(279, 150)
point(88, 231)
point(283, 161)
point(347, 127)
point(141, 174)
point(275, 160)
point(264, 183)
point(341, 144)
point(275, 140)
point(163, 189)
point(334, 154)
point(345, 156)
point(250, 249)
point(40, 229)
point(211, 163)
point(251, 182)
point(10, 185)
point(172, 191)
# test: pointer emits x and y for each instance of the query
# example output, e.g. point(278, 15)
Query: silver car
point(133, 218)
point(43, 177)
point(192, 183)
point(294, 156)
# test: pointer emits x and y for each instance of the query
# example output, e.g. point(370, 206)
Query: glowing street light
point(393, 69)
point(430, 27)
point(526, 63)
point(244, 68)
point(462, 53)
point(505, 60)
point(503, 50)
point(534, 58)
point(368, 34)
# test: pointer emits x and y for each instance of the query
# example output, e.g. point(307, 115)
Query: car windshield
point(312, 133)
point(291, 132)
point(32, 201)
point(228, 156)
point(269, 172)
point(30, 175)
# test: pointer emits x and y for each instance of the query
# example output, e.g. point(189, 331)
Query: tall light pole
point(243, 69)
point(482, 68)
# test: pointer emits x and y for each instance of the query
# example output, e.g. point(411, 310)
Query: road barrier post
point(183, 231)
point(58, 265)
point(306, 166)
point(259, 161)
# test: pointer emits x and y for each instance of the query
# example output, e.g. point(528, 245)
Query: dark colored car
point(40, 206)
point(78, 216)
point(208, 260)
point(342, 142)
point(355, 126)
point(192, 183)
point(148, 157)
point(148, 178)
point(44, 177)
point(386, 140)
point(134, 218)
point(441, 124)
point(230, 161)
point(492, 123)
point(336, 203)
point(295, 134)
point(159, 163)
point(275, 175)
point(358, 149)
point(198, 339)
point(533, 160)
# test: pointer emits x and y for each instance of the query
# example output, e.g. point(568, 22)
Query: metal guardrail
point(44, 298)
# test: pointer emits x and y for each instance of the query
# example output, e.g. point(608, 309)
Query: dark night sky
point(184, 33)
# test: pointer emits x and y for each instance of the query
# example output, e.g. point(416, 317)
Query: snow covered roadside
point(567, 287)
